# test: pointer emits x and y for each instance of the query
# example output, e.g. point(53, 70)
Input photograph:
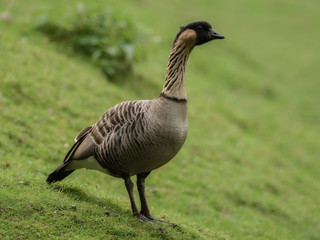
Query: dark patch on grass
point(122, 233)
point(18, 90)
point(5, 165)
point(240, 122)
point(36, 207)
point(79, 195)
point(268, 92)
point(259, 206)
point(162, 233)
point(265, 186)
point(272, 188)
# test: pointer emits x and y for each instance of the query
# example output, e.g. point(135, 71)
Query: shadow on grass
point(79, 195)
point(125, 219)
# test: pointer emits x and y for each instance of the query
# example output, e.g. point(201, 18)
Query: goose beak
point(214, 35)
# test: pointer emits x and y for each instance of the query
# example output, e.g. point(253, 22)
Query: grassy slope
point(249, 169)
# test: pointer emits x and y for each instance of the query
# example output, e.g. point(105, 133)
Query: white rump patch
point(89, 163)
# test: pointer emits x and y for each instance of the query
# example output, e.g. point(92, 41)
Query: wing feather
point(81, 133)
point(121, 122)
point(103, 138)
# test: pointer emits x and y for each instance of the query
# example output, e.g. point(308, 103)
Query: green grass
point(250, 166)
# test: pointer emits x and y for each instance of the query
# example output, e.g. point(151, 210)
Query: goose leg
point(141, 189)
point(144, 205)
point(135, 211)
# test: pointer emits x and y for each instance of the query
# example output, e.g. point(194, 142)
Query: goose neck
point(174, 85)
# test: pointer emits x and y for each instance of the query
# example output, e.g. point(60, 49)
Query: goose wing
point(115, 118)
point(122, 114)
point(83, 146)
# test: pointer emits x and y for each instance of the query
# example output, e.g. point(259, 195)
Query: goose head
point(197, 33)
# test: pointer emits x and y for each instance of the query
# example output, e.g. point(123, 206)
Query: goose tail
point(59, 174)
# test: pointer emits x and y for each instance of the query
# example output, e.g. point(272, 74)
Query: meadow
point(249, 169)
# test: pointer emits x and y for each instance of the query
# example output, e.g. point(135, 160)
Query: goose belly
point(157, 155)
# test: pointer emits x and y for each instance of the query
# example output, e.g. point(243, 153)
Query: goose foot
point(143, 218)
point(158, 220)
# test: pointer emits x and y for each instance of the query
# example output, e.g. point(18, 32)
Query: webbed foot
point(148, 216)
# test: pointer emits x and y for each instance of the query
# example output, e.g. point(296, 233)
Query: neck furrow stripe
point(173, 98)
point(175, 54)
point(171, 83)
point(174, 85)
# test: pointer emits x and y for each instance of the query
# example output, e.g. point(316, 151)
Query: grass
point(250, 166)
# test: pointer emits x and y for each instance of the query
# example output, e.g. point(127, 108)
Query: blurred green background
point(250, 166)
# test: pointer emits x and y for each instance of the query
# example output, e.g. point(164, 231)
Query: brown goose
point(136, 137)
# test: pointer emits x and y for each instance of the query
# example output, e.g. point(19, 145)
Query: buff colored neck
point(174, 85)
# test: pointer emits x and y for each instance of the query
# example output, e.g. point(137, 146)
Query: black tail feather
point(59, 174)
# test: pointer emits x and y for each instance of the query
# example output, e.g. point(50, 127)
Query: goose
point(136, 137)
